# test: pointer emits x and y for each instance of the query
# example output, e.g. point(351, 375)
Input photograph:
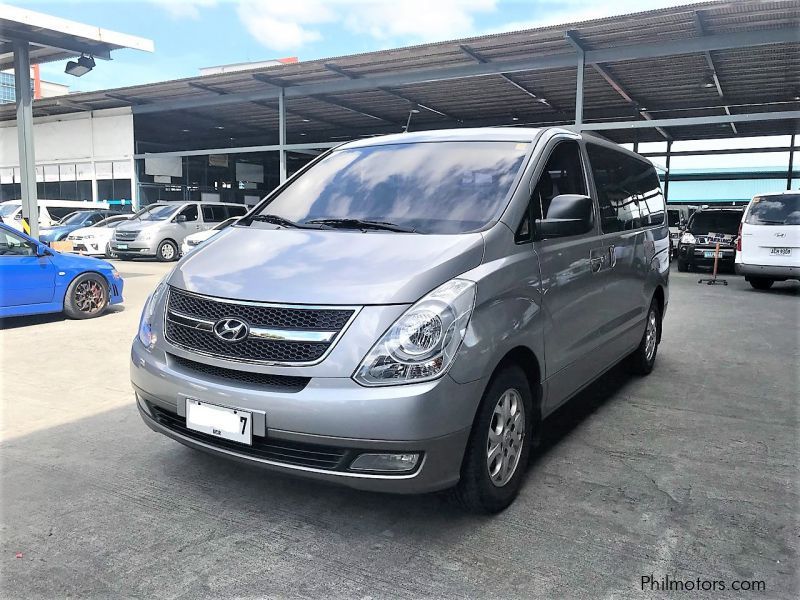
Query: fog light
point(385, 462)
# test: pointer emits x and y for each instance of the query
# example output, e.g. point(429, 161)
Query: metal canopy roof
point(52, 38)
point(705, 64)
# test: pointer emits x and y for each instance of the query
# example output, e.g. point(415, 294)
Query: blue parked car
point(35, 279)
point(71, 222)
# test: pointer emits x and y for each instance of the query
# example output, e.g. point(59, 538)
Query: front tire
point(761, 283)
point(167, 251)
point(109, 252)
point(644, 357)
point(87, 297)
point(683, 267)
point(505, 428)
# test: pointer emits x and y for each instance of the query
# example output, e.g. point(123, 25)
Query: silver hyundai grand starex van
point(405, 311)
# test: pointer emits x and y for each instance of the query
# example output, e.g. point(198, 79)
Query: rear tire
point(497, 454)
point(86, 297)
point(682, 266)
point(644, 357)
point(167, 251)
point(761, 283)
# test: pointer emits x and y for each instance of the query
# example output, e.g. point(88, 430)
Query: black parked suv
point(706, 227)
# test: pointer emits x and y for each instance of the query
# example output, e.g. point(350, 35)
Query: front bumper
point(695, 254)
point(135, 248)
point(768, 271)
point(331, 415)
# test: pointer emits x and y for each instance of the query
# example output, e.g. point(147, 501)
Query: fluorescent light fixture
point(80, 67)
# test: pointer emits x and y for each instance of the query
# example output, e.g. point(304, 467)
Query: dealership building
point(652, 80)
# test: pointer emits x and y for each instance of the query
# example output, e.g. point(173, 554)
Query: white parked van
point(768, 248)
point(50, 211)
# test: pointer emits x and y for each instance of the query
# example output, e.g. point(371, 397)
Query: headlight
point(423, 342)
point(687, 238)
point(88, 236)
point(145, 234)
point(146, 335)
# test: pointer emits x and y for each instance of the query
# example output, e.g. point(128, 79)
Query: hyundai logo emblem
point(780, 234)
point(231, 330)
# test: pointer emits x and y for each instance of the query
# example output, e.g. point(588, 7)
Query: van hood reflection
point(290, 266)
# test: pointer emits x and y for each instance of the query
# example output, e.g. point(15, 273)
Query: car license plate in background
point(122, 246)
point(710, 254)
point(227, 423)
point(781, 251)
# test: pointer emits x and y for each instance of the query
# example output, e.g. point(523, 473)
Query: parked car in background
point(706, 228)
point(676, 224)
point(75, 220)
point(36, 279)
point(159, 229)
point(768, 247)
point(50, 211)
point(96, 239)
point(321, 335)
point(192, 241)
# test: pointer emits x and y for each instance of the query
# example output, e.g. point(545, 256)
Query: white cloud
point(184, 9)
point(288, 25)
point(280, 25)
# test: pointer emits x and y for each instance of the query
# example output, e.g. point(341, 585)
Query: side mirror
point(42, 250)
point(180, 219)
point(568, 214)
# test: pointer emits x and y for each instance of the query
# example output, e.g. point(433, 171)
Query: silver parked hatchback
point(404, 312)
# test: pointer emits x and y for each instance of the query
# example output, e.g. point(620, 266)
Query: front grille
point(280, 383)
point(252, 349)
point(329, 458)
point(125, 236)
point(317, 319)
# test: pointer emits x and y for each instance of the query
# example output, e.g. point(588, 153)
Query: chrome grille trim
point(263, 334)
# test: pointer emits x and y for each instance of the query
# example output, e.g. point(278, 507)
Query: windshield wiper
point(363, 224)
point(276, 220)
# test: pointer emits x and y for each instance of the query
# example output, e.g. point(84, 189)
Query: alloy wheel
point(505, 438)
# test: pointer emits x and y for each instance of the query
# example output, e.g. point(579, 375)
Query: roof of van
point(484, 134)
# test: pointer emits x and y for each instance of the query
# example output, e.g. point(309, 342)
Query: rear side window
point(59, 212)
point(213, 213)
point(774, 210)
point(236, 210)
point(628, 190)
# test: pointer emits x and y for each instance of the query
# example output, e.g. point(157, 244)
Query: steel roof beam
point(475, 55)
point(350, 75)
point(742, 39)
point(574, 38)
point(318, 96)
point(785, 115)
point(701, 30)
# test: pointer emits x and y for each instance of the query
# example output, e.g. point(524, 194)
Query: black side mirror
point(180, 219)
point(568, 214)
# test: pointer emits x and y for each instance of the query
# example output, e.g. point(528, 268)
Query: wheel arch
point(525, 359)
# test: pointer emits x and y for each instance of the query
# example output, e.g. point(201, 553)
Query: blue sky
point(190, 34)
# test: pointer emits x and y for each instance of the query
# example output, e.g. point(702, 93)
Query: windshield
point(156, 212)
point(774, 210)
point(440, 187)
point(110, 222)
point(8, 208)
point(76, 217)
point(715, 221)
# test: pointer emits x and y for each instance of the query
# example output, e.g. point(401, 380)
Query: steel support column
point(579, 90)
point(666, 175)
point(282, 133)
point(791, 164)
point(27, 157)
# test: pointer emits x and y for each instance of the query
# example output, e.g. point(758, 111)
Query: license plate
point(781, 251)
point(122, 246)
point(710, 254)
point(228, 423)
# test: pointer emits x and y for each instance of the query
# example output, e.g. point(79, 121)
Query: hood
point(48, 234)
point(137, 225)
point(292, 266)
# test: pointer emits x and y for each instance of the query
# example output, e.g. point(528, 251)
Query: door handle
point(612, 256)
point(597, 263)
